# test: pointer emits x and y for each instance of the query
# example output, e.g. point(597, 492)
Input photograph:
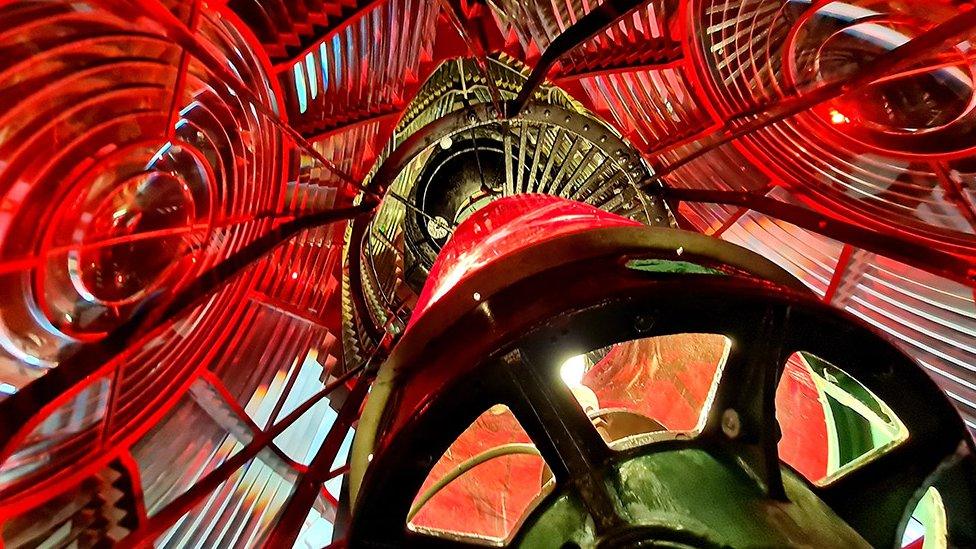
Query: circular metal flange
point(548, 149)
point(439, 378)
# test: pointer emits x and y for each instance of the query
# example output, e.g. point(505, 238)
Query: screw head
point(731, 423)
point(643, 324)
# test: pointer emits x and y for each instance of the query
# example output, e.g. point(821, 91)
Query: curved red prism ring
point(504, 227)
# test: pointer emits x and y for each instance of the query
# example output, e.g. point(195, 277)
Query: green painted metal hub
point(691, 498)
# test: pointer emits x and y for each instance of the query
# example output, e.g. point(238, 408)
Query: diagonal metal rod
point(477, 49)
point(23, 263)
point(955, 192)
point(902, 58)
point(921, 255)
point(474, 140)
point(477, 159)
point(415, 209)
point(177, 31)
point(150, 317)
point(168, 515)
point(585, 28)
point(293, 513)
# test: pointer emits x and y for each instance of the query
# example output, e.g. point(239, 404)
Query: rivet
point(731, 423)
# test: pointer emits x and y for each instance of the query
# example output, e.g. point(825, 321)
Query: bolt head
point(731, 423)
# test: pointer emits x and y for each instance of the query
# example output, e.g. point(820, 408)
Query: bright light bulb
point(838, 117)
point(572, 370)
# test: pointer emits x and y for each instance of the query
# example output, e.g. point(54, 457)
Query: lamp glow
point(837, 117)
point(572, 370)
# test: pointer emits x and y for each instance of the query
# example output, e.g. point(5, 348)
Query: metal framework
point(277, 117)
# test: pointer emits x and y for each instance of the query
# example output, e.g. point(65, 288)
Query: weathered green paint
point(691, 491)
point(565, 521)
point(860, 426)
point(669, 266)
